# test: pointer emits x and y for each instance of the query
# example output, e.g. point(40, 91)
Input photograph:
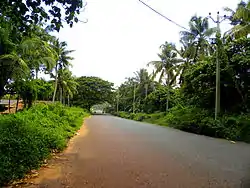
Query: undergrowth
point(28, 137)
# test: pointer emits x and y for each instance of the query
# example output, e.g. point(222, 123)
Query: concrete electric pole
point(218, 20)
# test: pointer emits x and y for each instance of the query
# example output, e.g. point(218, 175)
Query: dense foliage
point(92, 91)
point(27, 49)
point(24, 13)
point(22, 63)
point(28, 137)
point(184, 96)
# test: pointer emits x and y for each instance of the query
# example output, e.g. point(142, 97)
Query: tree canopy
point(92, 91)
point(24, 13)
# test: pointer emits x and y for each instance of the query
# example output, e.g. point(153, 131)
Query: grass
point(28, 137)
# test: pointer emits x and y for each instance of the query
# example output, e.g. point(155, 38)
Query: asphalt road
point(111, 152)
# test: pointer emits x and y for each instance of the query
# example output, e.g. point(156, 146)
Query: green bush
point(124, 115)
point(237, 127)
point(28, 137)
point(187, 118)
point(200, 121)
point(139, 117)
point(8, 96)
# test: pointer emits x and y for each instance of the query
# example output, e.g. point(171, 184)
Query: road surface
point(111, 152)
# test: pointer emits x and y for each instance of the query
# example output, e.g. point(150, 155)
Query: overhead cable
point(163, 16)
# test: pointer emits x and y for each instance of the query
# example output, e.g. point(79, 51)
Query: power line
point(163, 16)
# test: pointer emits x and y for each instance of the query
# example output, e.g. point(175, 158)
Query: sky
point(122, 36)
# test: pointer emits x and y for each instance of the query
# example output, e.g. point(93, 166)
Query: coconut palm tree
point(63, 60)
point(145, 81)
point(38, 54)
point(12, 63)
point(196, 40)
point(67, 85)
point(168, 67)
point(240, 19)
point(185, 53)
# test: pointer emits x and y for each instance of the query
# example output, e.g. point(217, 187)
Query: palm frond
point(48, 62)
point(208, 32)
point(227, 9)
point(18, 65)
point(161, 76)
point(243, 12)
point(240, 30)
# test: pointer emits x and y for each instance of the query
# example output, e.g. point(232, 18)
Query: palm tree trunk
point(167, 104)
point(17, 102)
point(56, 82)
point(68, 99)
point(36, 74)
point(64, 99)
point(61, 95)
point(9, 103)
point(196, 52)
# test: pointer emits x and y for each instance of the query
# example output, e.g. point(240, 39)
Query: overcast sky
point(122, 36)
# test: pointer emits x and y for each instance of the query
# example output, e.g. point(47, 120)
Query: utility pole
point(168, 92)
point(134, 100)
point(117, 101)
point(218, 20)
point(146, 91)
point(217, 98)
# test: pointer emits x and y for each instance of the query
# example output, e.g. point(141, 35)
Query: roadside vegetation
point(28, 52)
point(184, 94)
point(29, 137)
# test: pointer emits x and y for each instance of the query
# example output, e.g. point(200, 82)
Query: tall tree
point(168, 67)
point(92, 91)
point(145, 82)
point(26, 12)
point(39, 55)
point(11, 59)
point(196, 40)
point(240, 19)
point(165, 67)
point(67, 84)
point(63, 61)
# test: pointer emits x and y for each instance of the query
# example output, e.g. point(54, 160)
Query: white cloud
point(122, 36)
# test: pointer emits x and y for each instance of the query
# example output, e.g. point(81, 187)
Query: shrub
point(187, 118)
point(236, 127)
point(8, 96)
point(28, 137)
point(139, 117)
point(156, 118)
point(123, 115)
point(200, 121)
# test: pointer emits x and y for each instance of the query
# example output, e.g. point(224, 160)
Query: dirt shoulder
point(54, 173)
